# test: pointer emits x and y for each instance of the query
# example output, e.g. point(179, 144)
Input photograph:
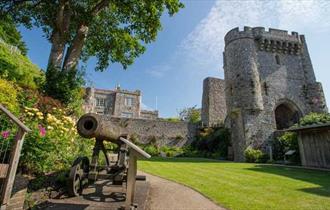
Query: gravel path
point(168, 195)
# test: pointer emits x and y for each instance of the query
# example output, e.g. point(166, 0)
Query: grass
point(245, 185)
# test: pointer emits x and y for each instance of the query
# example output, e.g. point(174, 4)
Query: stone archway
point(286, 115)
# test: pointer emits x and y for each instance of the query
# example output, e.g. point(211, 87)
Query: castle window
point(129, 101)
point(277, 58)
point(266, 88)
point(127, 114)
point(100, 102)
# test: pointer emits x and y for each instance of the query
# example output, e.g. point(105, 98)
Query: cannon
point(122, 170)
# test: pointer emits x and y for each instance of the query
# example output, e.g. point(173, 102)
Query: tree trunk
point(57, 51)
point(74, 51)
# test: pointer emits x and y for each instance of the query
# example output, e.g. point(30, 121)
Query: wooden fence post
point(13, 163)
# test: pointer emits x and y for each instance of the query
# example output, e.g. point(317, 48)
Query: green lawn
point(246, 185)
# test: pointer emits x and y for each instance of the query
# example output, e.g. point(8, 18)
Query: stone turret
point(269, 85)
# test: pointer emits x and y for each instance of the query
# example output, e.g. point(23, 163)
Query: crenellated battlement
point(273, 40)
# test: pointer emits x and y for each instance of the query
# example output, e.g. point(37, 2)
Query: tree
point(10, 35)
point(111, 30)
point(190, 114)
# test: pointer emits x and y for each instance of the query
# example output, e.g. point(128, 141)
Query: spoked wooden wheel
point(78, 177)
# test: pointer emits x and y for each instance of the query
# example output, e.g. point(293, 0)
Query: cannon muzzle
point(100, 127)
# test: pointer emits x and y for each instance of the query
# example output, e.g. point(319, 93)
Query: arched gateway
point(286, 115)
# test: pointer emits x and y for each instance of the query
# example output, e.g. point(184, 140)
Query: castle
point(116, 103)
point(269, 83)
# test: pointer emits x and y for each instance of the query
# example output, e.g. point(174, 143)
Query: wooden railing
point(9, 152)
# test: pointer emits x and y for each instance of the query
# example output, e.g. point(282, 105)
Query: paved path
point(167, 195)
point(155, 194)
point(99, 196)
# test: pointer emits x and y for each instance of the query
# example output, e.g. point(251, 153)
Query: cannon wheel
point(78, 176)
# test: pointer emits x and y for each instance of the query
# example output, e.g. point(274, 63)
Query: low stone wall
point(161, 131)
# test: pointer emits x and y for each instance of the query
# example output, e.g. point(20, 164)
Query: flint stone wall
point(213, 102)
point(164, 132)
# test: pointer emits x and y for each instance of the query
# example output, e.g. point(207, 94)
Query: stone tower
point(269, 85)
point(213, 102)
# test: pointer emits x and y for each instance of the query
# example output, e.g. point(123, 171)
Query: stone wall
point(213, 102)
point(164, 132)
point(263, 70)
point(149, 115)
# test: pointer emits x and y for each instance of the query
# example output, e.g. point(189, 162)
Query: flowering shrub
point(8, 95)
point(53, 143)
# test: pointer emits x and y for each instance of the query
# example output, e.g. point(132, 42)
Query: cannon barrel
point(100, 127)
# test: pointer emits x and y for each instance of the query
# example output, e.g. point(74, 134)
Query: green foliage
point(288, 141)
point(53, 143)
point(152, 150)
point(10, 35)
point(255, 156)
point(65, 86)
point(129, 24)
point(314, 118)
point(172, 119)
point(8, 96)
point(190, 114)
point(171, 151)
point(18, 68)
point(210, 142)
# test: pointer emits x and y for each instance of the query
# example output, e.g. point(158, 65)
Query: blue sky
point(189, 48)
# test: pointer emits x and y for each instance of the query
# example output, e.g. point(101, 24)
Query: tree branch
point(99, 7)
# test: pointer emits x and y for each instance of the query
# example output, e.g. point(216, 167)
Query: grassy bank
point(246, 185)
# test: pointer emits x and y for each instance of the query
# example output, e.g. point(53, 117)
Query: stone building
point(269, 85)
point(116, 103)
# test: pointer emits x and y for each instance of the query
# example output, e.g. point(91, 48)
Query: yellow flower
point(35, 109)
point(39, 114)
point(41, 117)
point(50, 127)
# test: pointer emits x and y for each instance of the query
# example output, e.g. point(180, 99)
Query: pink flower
point(5, 134)
point(42, 131)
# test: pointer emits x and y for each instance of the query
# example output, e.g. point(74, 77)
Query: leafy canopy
point(117, 29)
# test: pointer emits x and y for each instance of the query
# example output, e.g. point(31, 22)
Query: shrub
point(209, 141)
point(171, 151)
point(151, 150)
point(254, 156)
point(53, 143)
point(314, 118)
point(8, 96)
point(288, 141)
point(64, 85)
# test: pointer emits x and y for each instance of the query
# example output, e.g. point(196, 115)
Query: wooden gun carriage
point(123, 170)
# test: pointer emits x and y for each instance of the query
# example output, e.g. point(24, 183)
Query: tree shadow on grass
point(321, 178)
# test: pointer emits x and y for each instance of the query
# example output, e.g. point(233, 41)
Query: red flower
point(42, 131)
point(5, 134)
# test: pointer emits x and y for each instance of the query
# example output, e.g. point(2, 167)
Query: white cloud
point(200, 53)
point(206, 42)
